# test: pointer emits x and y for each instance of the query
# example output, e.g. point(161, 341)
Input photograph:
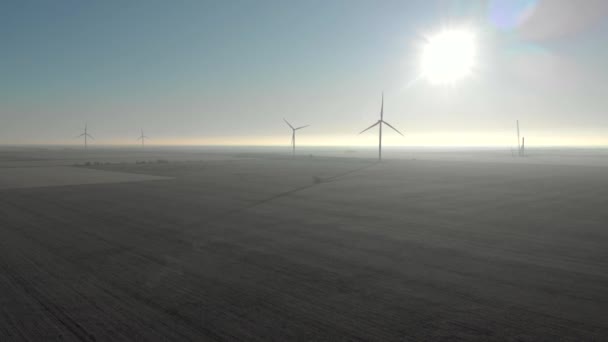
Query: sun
point(448, 56)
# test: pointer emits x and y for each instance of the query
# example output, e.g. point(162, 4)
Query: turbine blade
point(90, 136)
point(370, 127)
point(288, 123)
point(80, 135)
point(301, 127)
point(389, 125)
point(382, 107)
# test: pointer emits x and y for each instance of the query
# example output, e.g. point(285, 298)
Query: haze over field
point(282, 170)
point(226, 73)
point(210, 245)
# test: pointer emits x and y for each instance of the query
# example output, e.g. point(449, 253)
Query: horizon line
point(289, 146)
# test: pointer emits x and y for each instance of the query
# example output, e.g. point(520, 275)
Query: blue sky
point(227, 72)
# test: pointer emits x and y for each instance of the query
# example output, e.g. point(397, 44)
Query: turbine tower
point(293, 135)
point(86, 135)
point(379, 124)
point(143, 138)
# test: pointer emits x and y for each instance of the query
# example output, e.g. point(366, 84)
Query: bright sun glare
point(448, 56)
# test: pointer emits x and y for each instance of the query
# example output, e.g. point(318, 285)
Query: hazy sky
point(227, 72)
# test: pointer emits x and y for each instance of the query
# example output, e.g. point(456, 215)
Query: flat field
point(246, 247)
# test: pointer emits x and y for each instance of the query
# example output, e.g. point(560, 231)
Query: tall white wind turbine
point(143, 138)
point(86, 135)
point(379, 124)
point(520, 143)
point(293, 135)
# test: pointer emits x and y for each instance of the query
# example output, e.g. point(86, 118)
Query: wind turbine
point(85, 135)
point(379, 124)
point(293, 135)
point(142, 137)
point(520, 143)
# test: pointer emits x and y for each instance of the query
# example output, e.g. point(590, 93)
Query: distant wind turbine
point(379, 124)
point(143, 138)
point(86, 135)
point(293, 135)
point(520, 143)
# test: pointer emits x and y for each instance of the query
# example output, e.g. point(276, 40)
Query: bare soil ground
point(43, 176)
point(310, 249)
